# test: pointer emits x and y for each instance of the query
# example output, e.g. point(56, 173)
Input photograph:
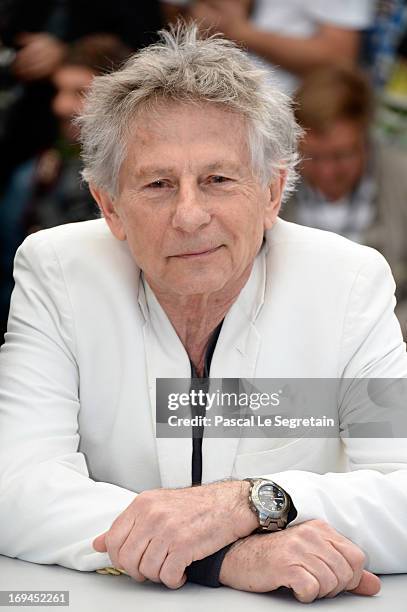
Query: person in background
point(289, 37)
point(34, 38)
point(351, 183)
point(46, 190)
point(30, 50)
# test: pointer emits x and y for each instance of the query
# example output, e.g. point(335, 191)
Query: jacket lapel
point(165, 358)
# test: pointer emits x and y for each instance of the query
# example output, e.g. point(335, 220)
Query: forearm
point(51, 512)
point(207, 571)
point(298, 55)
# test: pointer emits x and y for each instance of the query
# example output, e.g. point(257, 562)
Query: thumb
point(369, 584)
point(99, 543)
point(181, 582)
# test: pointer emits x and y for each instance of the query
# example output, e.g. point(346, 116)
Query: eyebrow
point(214, 166)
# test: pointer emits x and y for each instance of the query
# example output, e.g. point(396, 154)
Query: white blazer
point(85, 344)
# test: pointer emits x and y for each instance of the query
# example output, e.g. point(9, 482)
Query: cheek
point(144, 232)
point(357, 170)
point(306, 171)
point(247, 227)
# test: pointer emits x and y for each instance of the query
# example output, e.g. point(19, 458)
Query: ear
point(108, 208)
point(273, 205)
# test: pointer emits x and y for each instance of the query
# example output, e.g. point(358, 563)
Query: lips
point(198, 253)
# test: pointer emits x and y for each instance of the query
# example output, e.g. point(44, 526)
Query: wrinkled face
point(337, 158)
point(71, 83)
point(188, 204)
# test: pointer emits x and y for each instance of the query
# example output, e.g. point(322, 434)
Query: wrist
point(246, 520)
point(228, 568)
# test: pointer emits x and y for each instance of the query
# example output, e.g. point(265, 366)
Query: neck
point(195, 317)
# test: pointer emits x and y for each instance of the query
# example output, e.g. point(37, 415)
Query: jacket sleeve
point(50, 509)
point(367, 504)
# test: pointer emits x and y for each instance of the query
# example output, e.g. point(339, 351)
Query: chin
point(335, 195)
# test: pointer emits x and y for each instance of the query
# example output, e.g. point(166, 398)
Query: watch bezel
point(268, 514)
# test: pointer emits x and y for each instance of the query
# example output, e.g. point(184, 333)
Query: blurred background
point(344, 62)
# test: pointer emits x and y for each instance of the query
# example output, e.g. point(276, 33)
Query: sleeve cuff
point(206, 571)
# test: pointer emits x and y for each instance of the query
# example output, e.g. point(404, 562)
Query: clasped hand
point(164, 530)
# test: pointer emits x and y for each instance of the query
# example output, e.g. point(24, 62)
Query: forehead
point(179, 134)
point(340, 134)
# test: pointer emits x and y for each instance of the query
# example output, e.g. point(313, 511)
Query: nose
point(328, 170)
point(191, 212)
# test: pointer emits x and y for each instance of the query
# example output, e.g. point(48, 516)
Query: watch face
point(271, 498)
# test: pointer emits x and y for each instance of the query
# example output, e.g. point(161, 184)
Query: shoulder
point(78, 253)
point(313, 261)
point(309, 244)
point(331, 287)
point(75, 241)
point(68, 234)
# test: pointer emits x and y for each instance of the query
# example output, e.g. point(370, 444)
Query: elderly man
point(188, 151)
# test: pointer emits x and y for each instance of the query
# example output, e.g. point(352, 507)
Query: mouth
point(197, 254)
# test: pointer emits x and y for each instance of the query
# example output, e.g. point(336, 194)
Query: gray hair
point(183, 66)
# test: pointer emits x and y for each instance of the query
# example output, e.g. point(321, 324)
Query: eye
point(158, 184)
point(218, 179)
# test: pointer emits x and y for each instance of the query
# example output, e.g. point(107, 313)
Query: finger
point(172, 572)
point(327, 579)
point(353, 560)
point(117, 535)
point(35, 67)
point(352, 553)
point(22, 60)
point(40, 72)
point(25, 68)
point(342, 570)
point(368, 585)
point(99, 543)
point(304, 585)
point(130, 554)
point(153, 559)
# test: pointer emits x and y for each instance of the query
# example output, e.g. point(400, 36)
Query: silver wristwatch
point(270, 503)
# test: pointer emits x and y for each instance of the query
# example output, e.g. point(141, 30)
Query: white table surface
point(92, 592)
